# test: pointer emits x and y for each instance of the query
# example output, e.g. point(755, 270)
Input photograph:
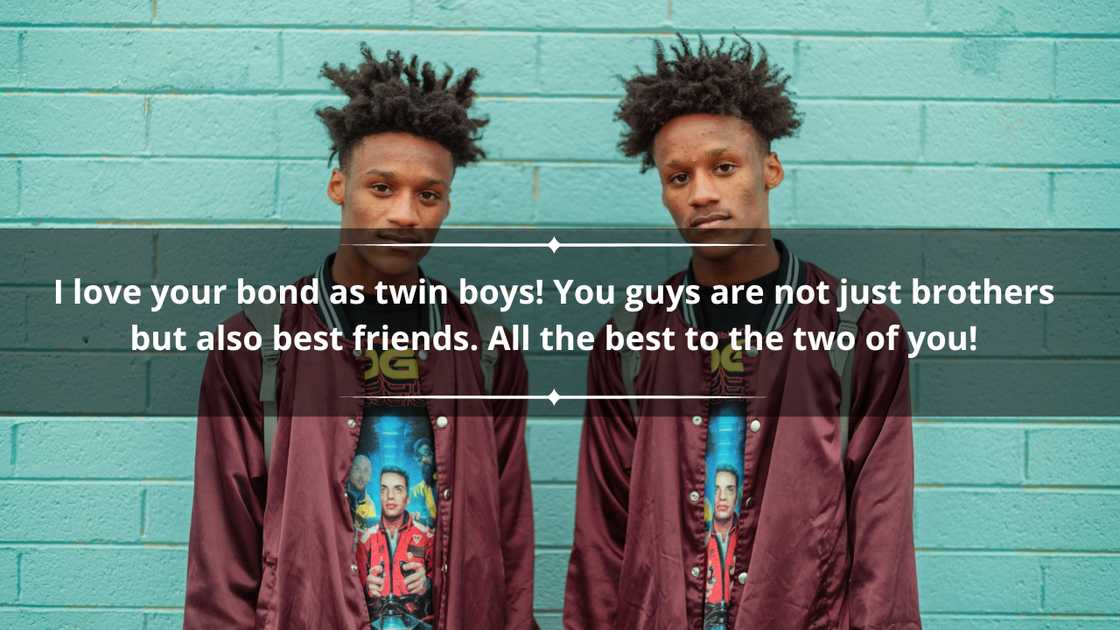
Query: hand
point(417, 581)
point(375, 581)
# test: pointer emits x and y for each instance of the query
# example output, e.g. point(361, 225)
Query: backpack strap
point(488, 319)
point(842, 362)
point(630, 360)
point(265, 318)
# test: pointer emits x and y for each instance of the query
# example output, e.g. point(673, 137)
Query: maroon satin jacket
point(275, 550)
point(822, 543)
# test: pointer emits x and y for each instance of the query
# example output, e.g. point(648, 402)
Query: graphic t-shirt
point(727, 433)
point(391, 486)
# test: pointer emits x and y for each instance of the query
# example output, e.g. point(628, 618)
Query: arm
point(511, 377)
point(883, 584)
point(602, 498)
point(224, 557)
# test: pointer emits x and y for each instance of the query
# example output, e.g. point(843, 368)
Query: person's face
point(395, 187)
point(394, 494)
point(360, 473)
point(727, 491)
point(716, 175)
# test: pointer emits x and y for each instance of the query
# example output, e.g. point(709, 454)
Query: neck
point(349, 269)
point(722, 527)
point(742, 266)
point(393, 524)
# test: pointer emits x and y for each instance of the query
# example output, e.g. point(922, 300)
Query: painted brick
point(567, 68)
point(42, 123)
point(1081, 584)
point(52, 512)
point(962, 455)
point(570, 129)
point(1028, 134)
point(964, 622)
point(46, 383)
point(29, 619)
point(848, 15)
point(1087, 199)
point(483, 194)
point(348, 13)
point(1084, 69)
point(1023, 16)
point(9, 55)
point(1071, 456)
point(952, 68)
point(238, 126)
point(163, 621)
point(554, 514)
point(920, 197)
point(838, 132)
point(113, 59)
point(498, 14)
point(553, 447)
point(7, 440)
point(110, 576)
point(549, 572)
point(998, 519)
point(9, 575)
point(507, 62)
point(9, 188)
point(41, 257)
point(1016, 388)
point(174, 381)
point(601, 195)
point(167, 513)
point(550, 621)
point(960, 583)
point(1084, 326)
point(66, 12)
point(140, 449)
point(143, 189)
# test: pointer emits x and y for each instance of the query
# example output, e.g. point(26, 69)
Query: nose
point(403, 213)
point(703, 191)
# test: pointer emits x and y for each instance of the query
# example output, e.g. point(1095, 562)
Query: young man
point(819, 534)
point(291, 538)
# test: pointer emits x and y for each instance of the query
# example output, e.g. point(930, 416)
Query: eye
point(430, 196)
point(380, 188)
point(726, 168)
point(678, 179)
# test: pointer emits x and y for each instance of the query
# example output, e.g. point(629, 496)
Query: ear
point(336, 187)
point(772, 171)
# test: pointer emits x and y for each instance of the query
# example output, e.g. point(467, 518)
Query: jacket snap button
point(446, 493)
point(423, 354)
point(755, 425)
point(694, 496)
point(350, 422)
point(441, 421)
point(697, 420)
point(353, 568)
point(751, 352)
point(357, 353)
point(695, 572)
point(743, 577)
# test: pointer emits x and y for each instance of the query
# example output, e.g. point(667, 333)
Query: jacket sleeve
point(602, 497)
point(883, 583)
point(512, 377)
point(224, 556)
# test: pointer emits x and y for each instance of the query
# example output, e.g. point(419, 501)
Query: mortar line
point(1054, 70)
point(19, 57)
point(922, 116)
point(19, 575)
point(1051, 181)
point(13, 437)
point(280, 58)
point(143, 511)
point(147, 124)
point(155, 11)
point(19, 188)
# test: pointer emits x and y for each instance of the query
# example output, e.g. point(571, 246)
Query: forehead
point(727, 477)
point(692, 137)
point(403, 154)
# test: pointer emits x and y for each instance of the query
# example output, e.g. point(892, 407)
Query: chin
point(391, 263)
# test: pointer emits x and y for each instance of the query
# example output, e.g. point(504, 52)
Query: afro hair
point(728, 79)
point(395, 95)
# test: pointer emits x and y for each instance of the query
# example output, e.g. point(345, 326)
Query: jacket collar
point(791, 271)
point(431, 317)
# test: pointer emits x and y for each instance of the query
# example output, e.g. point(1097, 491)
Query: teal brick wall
point(927, 113)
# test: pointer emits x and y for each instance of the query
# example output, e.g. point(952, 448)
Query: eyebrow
point(716, 152)
point(431, 181)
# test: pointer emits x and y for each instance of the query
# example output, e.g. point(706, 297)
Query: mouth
point(710, 220)
point(396, 236)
